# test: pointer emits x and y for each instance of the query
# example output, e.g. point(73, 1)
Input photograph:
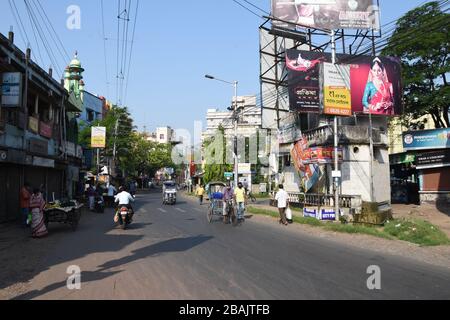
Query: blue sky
point(176, 44)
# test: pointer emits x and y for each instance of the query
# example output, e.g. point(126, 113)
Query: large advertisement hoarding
point(326, 14)
point(375, 83)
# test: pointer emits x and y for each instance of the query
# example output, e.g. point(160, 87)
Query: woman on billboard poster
point(379, 93)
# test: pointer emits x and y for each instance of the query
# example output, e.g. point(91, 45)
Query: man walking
point(25, 196)
point(200, 193)
point(283, 202)
point(240, 197)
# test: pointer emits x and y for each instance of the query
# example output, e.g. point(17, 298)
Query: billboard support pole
point(336, 139)
point(372, 197)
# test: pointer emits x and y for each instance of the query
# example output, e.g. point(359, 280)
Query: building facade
point(38, 138)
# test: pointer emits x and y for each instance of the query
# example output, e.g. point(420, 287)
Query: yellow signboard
point(98, 137)
point(336, 94)
point(33, 124)
point(337, 101)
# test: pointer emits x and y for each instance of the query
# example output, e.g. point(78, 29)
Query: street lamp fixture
point(234, 84)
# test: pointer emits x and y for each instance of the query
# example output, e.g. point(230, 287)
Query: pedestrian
point(37, 205)
point(240, 198)
point(283, 203)
point(200, 193)
point(91, 197)
point(25, 196)
point(111, 193)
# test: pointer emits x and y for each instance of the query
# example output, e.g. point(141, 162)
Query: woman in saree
point(37, 205)
point(378, 95)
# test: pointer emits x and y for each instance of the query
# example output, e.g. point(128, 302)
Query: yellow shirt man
point(200, 191)
point(240, 195)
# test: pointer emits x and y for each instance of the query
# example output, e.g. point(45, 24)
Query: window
point(90, 116)
point(161, 137)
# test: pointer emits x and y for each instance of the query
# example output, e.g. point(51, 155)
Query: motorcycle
point(124, 216)
point(99, 205)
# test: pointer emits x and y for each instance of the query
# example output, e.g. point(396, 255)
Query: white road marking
point(181, 210)
point(162, 210)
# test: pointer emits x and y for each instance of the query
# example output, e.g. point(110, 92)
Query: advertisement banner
point(310, 213)
point(45, 130)
point(33, 124)
point(427, 139)
point(309, 172)
point(244, 168)
point(98, 137)
point(326, 14)
point(336, 95)
point(11, 89)
point(435, 159)
point(375, 83)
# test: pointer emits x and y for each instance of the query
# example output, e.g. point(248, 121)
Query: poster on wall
point(326, 14)
point(11, 89)
point(375, 83)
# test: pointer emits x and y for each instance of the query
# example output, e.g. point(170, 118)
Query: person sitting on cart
point(228, 196)
point(123, 198)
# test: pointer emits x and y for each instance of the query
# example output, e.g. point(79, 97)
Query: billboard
point(326, 14)
point(11, 89)
point(427, 139)
point(98, 137)
point(375, 83)
point(434, 159)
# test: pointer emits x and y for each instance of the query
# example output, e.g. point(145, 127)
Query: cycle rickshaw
point(216, 192)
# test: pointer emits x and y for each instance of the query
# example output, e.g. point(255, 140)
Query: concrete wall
point(356, 173)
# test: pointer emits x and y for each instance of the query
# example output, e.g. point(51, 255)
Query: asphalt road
point(172, 252)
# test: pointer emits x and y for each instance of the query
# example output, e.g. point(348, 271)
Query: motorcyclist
point(123, 198)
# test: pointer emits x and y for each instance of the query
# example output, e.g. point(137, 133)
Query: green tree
point(216, 160)
point(422, 41)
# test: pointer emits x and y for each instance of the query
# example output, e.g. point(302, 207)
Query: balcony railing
point(347, 135)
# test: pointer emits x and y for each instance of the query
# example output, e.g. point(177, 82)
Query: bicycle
point(231, 213)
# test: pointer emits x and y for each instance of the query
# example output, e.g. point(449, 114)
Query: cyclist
point(228, 196)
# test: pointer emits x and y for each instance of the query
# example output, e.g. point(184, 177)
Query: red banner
point(45, 130)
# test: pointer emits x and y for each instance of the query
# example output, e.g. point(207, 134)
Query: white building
point(163, 135)
point(249, 119)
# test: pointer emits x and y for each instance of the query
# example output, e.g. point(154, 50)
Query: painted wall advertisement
point(427, 139)
point(11, 89)
point(327, 14)
point(98, 137)
point(375, 83)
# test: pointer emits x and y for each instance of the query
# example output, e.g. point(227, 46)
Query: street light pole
point(236, 165)
point(235, 142)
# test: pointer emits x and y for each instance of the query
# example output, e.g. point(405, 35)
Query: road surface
point(172, 252)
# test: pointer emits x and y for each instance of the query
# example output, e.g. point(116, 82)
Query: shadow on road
point(173, 245)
